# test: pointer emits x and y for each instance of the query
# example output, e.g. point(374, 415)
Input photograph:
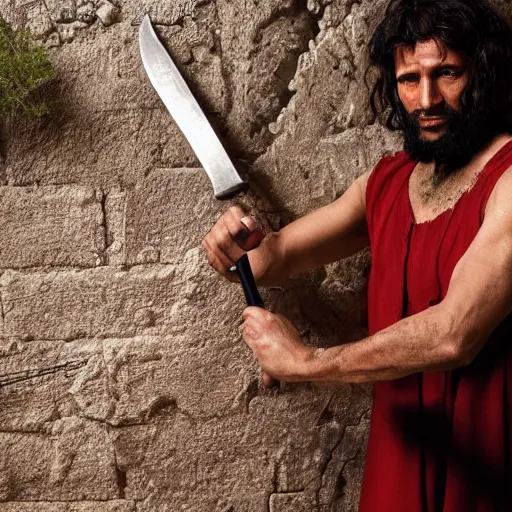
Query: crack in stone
point(2, 311)
point(325, 415)
point(339, 479)
point(290, 68)
point(104, 225)
point(120, 474)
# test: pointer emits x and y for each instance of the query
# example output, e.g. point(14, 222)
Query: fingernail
point(248, 222)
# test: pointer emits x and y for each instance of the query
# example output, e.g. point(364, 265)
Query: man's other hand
point(233, 235)
point(276, 344)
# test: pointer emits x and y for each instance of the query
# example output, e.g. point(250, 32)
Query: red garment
point(439, 442)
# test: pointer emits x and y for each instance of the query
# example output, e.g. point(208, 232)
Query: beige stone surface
point(86, 506)
point(109, 302)
point(129, 381)
point(73, 460)
point(168, 214)
point(57, 226)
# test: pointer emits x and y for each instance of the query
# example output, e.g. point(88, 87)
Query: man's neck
point(433, 192)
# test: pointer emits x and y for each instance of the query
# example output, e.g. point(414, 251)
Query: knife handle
point(253, 298)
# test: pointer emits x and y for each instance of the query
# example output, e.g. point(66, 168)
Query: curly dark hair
point(471, 26)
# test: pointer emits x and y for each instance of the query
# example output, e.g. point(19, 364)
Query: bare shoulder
point(361, 183)
point(499, 202)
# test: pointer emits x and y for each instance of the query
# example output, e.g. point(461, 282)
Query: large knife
point(186, 112)
point(176, 95)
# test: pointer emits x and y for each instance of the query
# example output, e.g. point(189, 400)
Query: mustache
point(437, 111)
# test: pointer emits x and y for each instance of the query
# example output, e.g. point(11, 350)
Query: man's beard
point(464, 137)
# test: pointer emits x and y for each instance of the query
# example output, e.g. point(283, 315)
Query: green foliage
point(23, 67)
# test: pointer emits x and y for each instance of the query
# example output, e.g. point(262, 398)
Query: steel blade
point(186, 112)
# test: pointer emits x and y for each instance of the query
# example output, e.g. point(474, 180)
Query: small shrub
point(23, 67)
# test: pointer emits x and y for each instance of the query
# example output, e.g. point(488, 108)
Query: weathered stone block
point(340, 159)
point(105, 149)
point(237, 460)
point(38, 380)
point(120, 382)
point(168, 214)
point(106, 125)
point(105, 302)
point(50, 226)
point(73, 461)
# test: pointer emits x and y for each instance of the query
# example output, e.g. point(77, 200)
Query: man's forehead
point(430, 53)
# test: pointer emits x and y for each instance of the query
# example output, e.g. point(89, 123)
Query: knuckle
point(237, 213)
point(233, 211)
point(219, 237)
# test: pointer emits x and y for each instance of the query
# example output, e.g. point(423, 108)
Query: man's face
point(431, 79)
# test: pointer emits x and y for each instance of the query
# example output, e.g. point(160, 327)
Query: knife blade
point(183, 107)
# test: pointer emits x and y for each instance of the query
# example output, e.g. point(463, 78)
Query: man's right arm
point(323, 236)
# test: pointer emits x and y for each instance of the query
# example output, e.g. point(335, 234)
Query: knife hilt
point(252, 296)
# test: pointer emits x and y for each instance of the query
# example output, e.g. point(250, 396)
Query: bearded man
point(438, 219)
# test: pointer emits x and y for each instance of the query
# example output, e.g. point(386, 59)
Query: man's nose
point(429, 94)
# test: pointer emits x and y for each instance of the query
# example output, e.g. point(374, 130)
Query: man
point(438, 219)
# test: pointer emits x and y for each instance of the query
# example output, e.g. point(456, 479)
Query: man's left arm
point(443, 337)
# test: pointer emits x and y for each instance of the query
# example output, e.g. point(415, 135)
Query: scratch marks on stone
point(33, 373)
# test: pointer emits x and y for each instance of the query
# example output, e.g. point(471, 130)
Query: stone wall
point(124, 383)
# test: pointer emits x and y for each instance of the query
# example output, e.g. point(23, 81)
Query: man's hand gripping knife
point(273, 339)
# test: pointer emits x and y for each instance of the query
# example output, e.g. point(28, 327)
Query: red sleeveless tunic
point(439, 442)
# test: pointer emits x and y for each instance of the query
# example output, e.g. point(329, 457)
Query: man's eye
point(408, 79)
point(450, 73)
